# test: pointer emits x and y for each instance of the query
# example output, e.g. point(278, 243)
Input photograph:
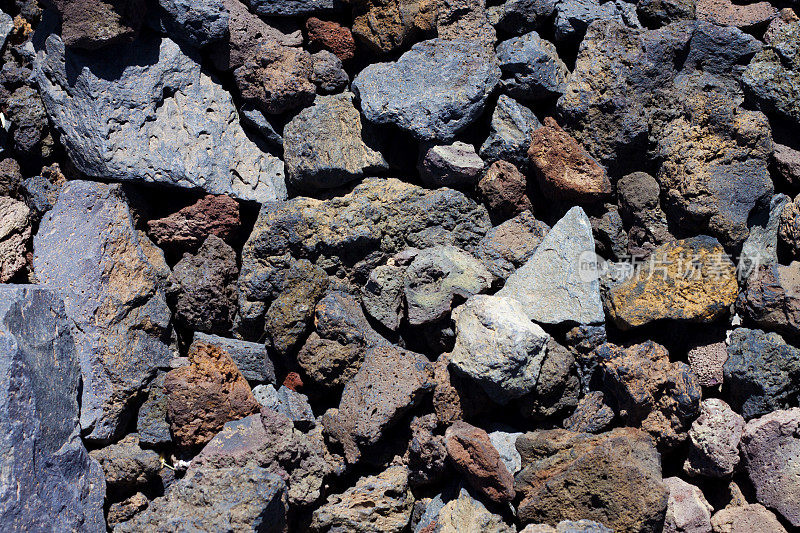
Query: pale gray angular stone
point(714, 440)
point(433, 91)
point(574, 16)
point(761, 247)
point(146, 112)
point(505, 444)
point(509, 133)
point(552, 286)
point(6, 25)
point(455, 165)
point(289, 403)
point(687, 509)
point(498, 346)
point(293, 8)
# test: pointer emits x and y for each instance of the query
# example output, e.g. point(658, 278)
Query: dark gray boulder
point(531, 68)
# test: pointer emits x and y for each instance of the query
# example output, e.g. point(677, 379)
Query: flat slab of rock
point(88, 248)
point(293, 8)
point(176, 127)
point(433, 91)
point(49, 480)
point(689, 280)
point(551, 285)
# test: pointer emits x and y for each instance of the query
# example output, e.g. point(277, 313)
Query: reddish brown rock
point(293, 381)
point(564, 168)
point(205, 395)
point(727, 13)
point(505, 190)
point(471, 450)
point(93, 24)
point(189, 227)
point(331, 36)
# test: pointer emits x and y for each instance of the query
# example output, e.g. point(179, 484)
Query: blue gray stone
point(289, 403)
point(531, 68)
point(761, 246)
point(146, 112)
point(509, 133)
point(574, 16)
point(197, 22)
point(521, 16)
point(6, 25)
point(152, 424)
point(88, 249)
point(49, 482)
point(433, 91)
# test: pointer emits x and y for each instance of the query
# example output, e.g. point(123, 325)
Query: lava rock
point(375, 503)
point(156, 136)
point(771, 456)
point(687, 509)
point(10, 177)
point(433, 91)
point(203, 396)
point(26, 113)
point(289, 403)
point(471, 450)
point(789, 227)
point(126, 466)
point(50, 481)
point(329, 74)
point(217, 499)
point(613, 478)
point(391, 381)
point(662, 12)
point(640, 208)
point(504, 188)
point(456, 165)
point(384, 27)
point(197, 23)
point(498, 347)
point(521, 16)
point(706, 360)
point(652, 393)
point(762, 373)
point(761, 246)
point(326, 146)
point(461, 513)
point(726, 13)
point(203, 287)
point(293, 8)
point(551, 285)
point(506, 445)
point(93, 24)
point(465, 20)
point(592, 414)
point(688, 280)
point(573, 17)
point(331, 36)
point(251, 358)
point(508, 246)
point(189, 227)
point(88, 249)
point(531, 68)
point(126, 509)
point(15, 235)
point(382, 296)
point(426, 455)
point(151, 424)
point(557, 388)
point(741, 519)
point(769, 298)
point(509, 133)
point(714, 440)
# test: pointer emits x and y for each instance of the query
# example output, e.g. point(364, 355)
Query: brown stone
point(387, 25)
point(786, 16)
point(564, 168)
point(15, 235)
point(10, 177)
point(471, 450)
point(505, 190)
point(747, 518)
point(189, 227)
point(93, 24)
point(293, 381)
point(727, 13)
point(205, 395)
point(652, 393)
point(126, 509)
point(789, 226)
point(331, 36)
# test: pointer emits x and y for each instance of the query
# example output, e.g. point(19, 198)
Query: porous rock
point(714, 440)
point(189, 227)
point(474, 455)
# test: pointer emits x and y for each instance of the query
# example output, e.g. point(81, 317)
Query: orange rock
point(331, 36)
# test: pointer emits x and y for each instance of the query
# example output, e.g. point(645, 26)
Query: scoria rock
point(88, 249)
point(15, 235)
point(287, 402)
point(387, 25)
point(197, 23)
point(179, 127)
point(726, 13)
point(460, 514)
point(126, 466)
point(97, 24)
point(508, 246)
point(504, 188)
point(509, 132)
point(293, 8)
point(426, 92)
point(746, 518)
point(189, 227)
point(331, 36)
point(474, 455)
point(770, 297)
point(49, 482)
point(789, 227)
point(531, 68)
point(456, 165)
point(251, 358)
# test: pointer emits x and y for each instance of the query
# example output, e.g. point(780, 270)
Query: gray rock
point(255, 118)
point(498, 346)
point(289, 403)
point(126, 466)
point(762, 373)
point(293, 8)
point(687, 509)
point(251, 358)
point(382, 295)
point(521, 16)
point(574, 16)
point(771, 456)
point(433, 91)
point(508, 246)
point(88, 248)
point(199, 23)
point(329, 73)
point(152, 425)
point(217, 499)
point(531, 68)
point(456, 165)
point(558, 388)
point(509, 133)
point(505, 444)
point(461, 513)
point(592, 415)
point(49, 481)
point(464, 19)
point(177, 126)
point(714, 440)
point(552, 286)
point(437, 279)
point(6, 25)
point(325, 145)
point(761, 247)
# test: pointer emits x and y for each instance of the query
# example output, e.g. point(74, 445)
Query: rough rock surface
point(251, 358)
point(714, 440)
point(687, 509)
point(189, 227)
point(550, 285)
point(151, 425)
point(504, 188)
point(461, 514)
point(508, 246)
point(376, 503)
point(385, 26)
point(741, 519)
point(99, 24)
point(331, 36)
point(456, 165)
point(761, 373)
point(509, 132)
point(204, 395)
point(15, 234)
point(613, 478)
point(197, 23)
point(290, 8)
point(771, 456)
point(426, 92)
point(178, 127)
point(690, 280)
point(88, 249)
point(126, 466)
point(770, 297)
point(498, 347)
point(474, 455)
point(49, 479)
point(289, 403)
point(391, 380)
point(531, 68)
point(326, 145)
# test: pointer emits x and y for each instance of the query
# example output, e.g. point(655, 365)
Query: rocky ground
point(417, 266)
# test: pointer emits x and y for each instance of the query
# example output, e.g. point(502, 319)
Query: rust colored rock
point(293, 381)
point(505, 190)
point(476, 458)
point(331, 36)
point(205, 395)
point(387, 25)
point(727, 13)
point(189, 227)
point(564, 168)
